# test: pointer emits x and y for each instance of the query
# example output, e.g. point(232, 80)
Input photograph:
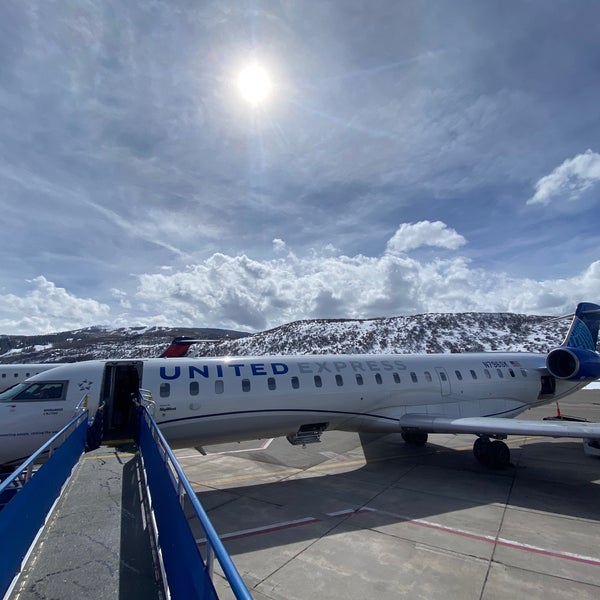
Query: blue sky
point(411, 156)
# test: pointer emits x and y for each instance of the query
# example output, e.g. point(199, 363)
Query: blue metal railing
point(25, 513)
point(188, 576)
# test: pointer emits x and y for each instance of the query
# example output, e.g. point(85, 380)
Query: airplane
point(200, 401)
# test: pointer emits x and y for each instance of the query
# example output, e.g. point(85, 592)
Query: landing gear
point(491, 454)
point(415, 438)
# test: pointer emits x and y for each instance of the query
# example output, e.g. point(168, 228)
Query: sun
point(254, 84)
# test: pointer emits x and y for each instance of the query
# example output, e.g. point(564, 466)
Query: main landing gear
point(493, 454)
point(415, 438)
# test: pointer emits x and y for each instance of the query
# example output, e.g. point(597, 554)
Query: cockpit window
point(35, 392)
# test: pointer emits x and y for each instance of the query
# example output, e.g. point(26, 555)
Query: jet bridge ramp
point(118, 528)
point(96, 543)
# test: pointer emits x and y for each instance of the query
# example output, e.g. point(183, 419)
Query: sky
point(399, 157)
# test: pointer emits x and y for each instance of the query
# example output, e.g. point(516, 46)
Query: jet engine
point(573, 364)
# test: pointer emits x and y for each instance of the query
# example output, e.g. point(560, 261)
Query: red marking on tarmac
point(588, 560)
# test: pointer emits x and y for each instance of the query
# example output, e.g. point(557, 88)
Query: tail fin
point(576, 359)
point(583, 332)
point(178, 348)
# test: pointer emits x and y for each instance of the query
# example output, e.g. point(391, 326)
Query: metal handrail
point(61, 435)
point(214, 546)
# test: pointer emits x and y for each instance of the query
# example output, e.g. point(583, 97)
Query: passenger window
point(524, 372)
point(487, 374)
point(458, 375)
point(500, 374)
point(339, 380)
point(378, 378)
point(165, 390)
point(473, 374)
point(194, 388)
point(295, 383)
point(219, 386)
point(359, 379)
point(271, 383)
point(442, 375)
point(512, 373)
point(428, 376)
point(396, 378)
point(245, 385)
point(318, 381)
point(414, 377)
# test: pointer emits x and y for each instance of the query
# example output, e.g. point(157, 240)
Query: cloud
point(410, 236)
point(49, 308)
point(240, 292)
point(243, 293)
point(571, 179)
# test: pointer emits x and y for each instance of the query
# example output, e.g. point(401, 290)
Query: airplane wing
point(499, 426)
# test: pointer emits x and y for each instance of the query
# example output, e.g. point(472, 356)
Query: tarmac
point(351, 517)
point(376, 518)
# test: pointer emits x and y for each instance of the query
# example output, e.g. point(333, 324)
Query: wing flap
point(499, 425)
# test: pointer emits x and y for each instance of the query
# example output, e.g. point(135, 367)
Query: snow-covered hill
point(427, 333)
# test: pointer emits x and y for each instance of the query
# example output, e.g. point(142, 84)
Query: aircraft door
point(121, 386)
point(444, 381)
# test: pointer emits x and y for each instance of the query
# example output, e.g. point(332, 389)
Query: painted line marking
point(499, 541)
point(263, 446)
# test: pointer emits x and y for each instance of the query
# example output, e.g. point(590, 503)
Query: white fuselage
point(212, 400)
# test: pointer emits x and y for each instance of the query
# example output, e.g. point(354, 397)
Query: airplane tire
point(499, 455)
point(480, 449)
point(415, 438)
point(494, 454)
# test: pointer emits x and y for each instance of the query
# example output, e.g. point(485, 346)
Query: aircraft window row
point(5, 375)
point(165, 388)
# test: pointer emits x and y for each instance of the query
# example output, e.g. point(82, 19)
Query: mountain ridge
point(420, 334)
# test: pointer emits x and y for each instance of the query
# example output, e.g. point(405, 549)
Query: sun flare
point(254, 84)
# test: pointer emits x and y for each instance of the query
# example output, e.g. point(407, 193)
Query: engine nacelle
point(573, 364)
